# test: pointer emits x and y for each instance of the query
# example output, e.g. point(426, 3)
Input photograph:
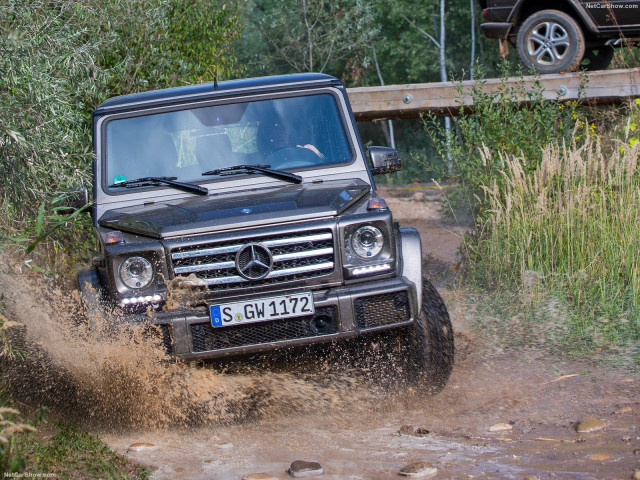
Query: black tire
point(597, 58)
point(550, 41)
point(431, 344)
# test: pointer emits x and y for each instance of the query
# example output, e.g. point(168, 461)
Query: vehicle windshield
point(285, 133)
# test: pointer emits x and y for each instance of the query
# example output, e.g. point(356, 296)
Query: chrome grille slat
point(305, 254)
point(291, 271)
point(204, 267)
point(206, 251)
point(296, 256)
point(294, 240)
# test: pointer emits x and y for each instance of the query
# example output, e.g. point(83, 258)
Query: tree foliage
point(286, 36)
point(163, 43)
point(49, 75)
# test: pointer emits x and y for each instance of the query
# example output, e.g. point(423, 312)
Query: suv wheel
point(550, 41)
point(430, 340)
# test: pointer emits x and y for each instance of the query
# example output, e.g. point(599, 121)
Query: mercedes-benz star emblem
point(254, 261)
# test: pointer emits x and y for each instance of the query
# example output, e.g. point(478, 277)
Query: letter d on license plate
point(262, 309)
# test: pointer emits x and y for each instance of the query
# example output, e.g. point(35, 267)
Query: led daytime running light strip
point(146, 299)
point(371, 269)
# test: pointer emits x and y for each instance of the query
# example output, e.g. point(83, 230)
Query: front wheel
point(430, 341)
point(550, 41)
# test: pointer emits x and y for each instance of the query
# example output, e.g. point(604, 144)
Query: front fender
point(411, 258)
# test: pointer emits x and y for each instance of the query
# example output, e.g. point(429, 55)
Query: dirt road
point(504, 414)
point(540, 399)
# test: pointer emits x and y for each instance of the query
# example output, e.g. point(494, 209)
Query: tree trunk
point(444, 78)
point(472, 5)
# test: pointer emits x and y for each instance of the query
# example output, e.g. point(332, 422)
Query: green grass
point(571, 225)
point(72, 453)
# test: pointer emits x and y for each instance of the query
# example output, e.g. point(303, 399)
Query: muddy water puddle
point(371, 447)
point(508, 415)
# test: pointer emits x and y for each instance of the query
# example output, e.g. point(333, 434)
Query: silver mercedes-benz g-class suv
point(242, 216)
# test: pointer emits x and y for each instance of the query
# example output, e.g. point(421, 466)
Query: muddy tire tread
point(434, 346)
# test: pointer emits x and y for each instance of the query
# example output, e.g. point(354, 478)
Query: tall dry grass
point(573, 225)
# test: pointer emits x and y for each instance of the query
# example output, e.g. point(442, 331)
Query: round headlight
point(367, 241)
point(136, 272)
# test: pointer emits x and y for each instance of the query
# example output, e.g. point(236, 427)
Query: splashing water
point(126, 379)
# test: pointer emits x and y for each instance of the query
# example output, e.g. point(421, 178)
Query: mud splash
point(128, 381)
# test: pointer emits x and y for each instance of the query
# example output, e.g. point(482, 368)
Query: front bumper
point(341, 312)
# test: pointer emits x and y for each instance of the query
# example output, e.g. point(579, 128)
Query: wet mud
point(503, 414)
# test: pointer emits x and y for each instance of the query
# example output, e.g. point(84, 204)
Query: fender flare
point(576, 6)
point(411, 258)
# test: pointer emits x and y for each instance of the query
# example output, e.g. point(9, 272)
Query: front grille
point(206, 338)
point(380, 310)
point(296, 256)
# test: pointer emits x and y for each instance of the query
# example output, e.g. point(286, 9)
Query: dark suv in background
point(562, 36)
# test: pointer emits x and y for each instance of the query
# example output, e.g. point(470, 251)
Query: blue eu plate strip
point(216, 317)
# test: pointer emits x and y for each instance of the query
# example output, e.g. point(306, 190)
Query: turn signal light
point(114, 237)
point(377, 203)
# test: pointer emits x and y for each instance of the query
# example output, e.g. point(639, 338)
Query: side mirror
point(71, 200)
point(384, 160)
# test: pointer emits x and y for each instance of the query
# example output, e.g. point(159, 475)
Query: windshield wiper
point(264, 169)
point(170, 181)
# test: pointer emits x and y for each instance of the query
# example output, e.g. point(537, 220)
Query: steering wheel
point(292, 157)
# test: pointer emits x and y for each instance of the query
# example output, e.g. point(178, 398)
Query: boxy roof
point(210, 91)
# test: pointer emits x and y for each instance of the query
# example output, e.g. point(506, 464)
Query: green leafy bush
point(50, 80)
point(510, 120)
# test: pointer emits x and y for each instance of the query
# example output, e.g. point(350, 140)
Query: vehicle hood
point(238, 210)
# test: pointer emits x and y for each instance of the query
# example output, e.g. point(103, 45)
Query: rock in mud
point(599, 457)
point(413, 431)
point(141, 447)
point(590, 424)
point(224, 446)
point(258, 476)
point(500, 427)
point(418, 469)
point(302, 468)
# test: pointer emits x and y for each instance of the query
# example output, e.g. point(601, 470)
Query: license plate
point(262, 309)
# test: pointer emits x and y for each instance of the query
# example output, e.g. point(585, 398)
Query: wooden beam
point(409, 101)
